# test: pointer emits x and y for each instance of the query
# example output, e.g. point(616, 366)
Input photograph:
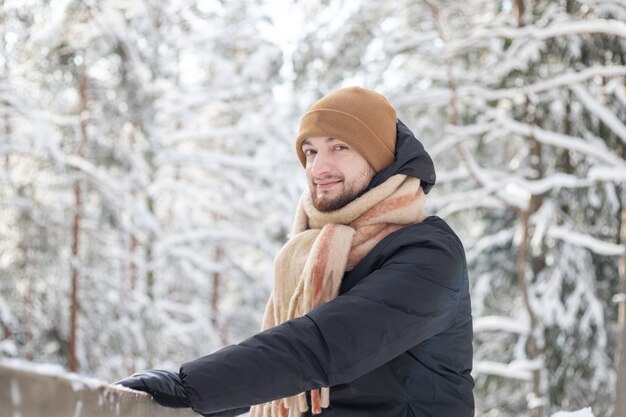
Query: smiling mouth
point(327, 184)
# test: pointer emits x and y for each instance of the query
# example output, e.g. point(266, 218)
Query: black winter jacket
point(396, 342)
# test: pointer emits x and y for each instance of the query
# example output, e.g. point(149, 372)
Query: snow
point(511, 370)
point(567, 79)
point(498, 323)
point(603, 113)
point(50, 29)
point(79, 382)
point(5, 312)
point(584, 412)
point(619, 298)
point(576, 238)
point(16, 396)
point(607, 174)
point(78, 408)
point(599, 26)
point(547, 137)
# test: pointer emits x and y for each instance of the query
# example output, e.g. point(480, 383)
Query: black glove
point(164, 386)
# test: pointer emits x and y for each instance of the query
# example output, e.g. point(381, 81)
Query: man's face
point(335, 171)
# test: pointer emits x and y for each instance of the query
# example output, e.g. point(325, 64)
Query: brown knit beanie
point(360, 117)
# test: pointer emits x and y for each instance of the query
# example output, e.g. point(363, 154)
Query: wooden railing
point(33, 393)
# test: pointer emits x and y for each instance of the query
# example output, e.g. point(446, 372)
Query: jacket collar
point(410, 159)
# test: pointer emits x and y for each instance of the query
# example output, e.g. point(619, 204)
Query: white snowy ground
point(80, 380)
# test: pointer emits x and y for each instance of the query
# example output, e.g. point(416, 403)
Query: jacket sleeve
point(414, 295)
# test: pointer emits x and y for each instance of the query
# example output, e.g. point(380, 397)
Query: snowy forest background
point(148, 177)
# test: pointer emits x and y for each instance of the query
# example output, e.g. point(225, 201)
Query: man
point(370, 312)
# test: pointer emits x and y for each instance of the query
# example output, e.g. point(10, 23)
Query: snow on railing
point(28, 390)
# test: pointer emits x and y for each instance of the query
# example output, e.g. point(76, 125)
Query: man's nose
point(320, 165)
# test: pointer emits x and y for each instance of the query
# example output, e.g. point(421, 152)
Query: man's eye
point(340, 148)
point(309, 152)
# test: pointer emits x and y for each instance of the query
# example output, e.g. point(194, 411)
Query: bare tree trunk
point(215, 298)
point(619, 409)
point(73, 363)
point(132, 267)
point(151, 330)
point(130, 280)
point(134, 243)
point(520, 5)
point(7, 158)
point(534, 349)
point(74, 305)
point(150, 275)
point(215, 295)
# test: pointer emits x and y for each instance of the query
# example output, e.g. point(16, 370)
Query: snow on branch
point(607, 174)
point(429, 97)
point(521, 370)
point(398, 45)
point(546, 85)
point(21, 150)
point(554, 181)
point(490, 182)
point(208, 135)
point(591, 27)
point(500, 324)
point(112, 23)
point(92, 171)
point(467, 93)
point(50, 31)
point(561, 140)
point(167, 244)
point(597, 246)
point(208, 160)
point(446, 143)
point(599, 110)
point(616, 86)
point(485, 243)
point(115, 194)
point(460, 205)
point(544, 136)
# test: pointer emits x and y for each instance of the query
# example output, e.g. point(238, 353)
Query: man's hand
point(164, 386)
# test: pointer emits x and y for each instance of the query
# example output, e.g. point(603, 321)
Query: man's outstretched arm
point(414, 296)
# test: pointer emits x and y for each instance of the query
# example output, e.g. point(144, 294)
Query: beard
point(351, 192)
point(325, 205)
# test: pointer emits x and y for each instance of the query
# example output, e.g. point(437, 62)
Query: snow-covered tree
point(142, 150)
point(521, 105)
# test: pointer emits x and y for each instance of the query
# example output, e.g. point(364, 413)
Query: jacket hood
point(411, 159)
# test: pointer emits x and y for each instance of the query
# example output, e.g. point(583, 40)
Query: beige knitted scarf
point(308, 270)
